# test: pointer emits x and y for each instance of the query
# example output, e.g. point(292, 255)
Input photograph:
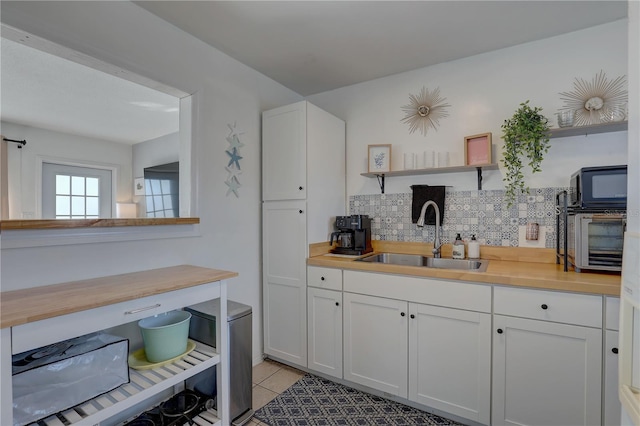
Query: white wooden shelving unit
point(84, 307)
point(143, 384)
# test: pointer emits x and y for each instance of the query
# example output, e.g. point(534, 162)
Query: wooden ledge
point(93, 223)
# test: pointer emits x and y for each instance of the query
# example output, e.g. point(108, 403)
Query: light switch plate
point(539, 243)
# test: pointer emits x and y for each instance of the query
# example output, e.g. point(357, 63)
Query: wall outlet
point(539, 243)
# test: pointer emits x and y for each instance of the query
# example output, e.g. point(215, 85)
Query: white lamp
point(126, 210)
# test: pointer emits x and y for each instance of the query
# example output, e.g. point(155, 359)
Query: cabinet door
point(546, 374)
point(284, 280)
point(6, 388)
point(450, 360)
point(284, 153)
point(325, 331)
point(375, 340)
point(612, 406)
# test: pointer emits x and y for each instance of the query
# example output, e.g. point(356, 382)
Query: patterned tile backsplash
point(483, 213)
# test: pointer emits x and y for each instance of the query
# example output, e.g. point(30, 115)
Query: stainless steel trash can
point(203, 328)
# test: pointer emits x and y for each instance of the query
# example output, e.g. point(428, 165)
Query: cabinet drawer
point(612, 313)
point(328, 278)
point(570, 308)
point(430, 291)
point(45, 332)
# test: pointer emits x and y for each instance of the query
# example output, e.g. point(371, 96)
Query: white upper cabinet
point(303, 158)
point(284, 153)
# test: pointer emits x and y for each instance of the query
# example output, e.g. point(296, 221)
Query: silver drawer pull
point(135, 311)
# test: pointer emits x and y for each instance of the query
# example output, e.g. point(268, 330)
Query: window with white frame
point(162, 186)
point(73, 192)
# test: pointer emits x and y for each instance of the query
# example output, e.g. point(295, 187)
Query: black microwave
point(599, 187)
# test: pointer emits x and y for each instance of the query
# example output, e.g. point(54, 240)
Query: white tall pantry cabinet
point(303, 190)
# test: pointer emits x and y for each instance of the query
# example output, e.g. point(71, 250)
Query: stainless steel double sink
point(476, 265)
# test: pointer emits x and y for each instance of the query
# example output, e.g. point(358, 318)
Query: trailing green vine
point(526, 137)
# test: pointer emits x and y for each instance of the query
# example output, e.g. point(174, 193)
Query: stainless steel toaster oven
point(595, 240)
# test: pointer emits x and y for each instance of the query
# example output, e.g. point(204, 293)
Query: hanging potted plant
point(526, 139)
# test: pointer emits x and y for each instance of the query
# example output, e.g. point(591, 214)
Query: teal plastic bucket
point(165, 335)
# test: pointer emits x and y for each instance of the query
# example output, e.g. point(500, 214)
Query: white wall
point(162, 150)
point(225, 91)
point(483, 91)
point(25, 175)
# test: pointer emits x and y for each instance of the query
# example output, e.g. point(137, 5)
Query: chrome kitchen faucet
point(420, 223)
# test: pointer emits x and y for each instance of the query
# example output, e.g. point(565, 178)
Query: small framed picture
point(138, 186)
point(379, 158)
point(477, 149)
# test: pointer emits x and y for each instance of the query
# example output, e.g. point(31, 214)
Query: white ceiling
point(46, 91)
point(307, 46)
point(316, 46)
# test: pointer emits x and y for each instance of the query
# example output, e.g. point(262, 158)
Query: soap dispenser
point(474, 248)
point(458, 248)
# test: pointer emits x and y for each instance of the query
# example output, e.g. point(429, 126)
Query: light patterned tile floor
point(270, 379)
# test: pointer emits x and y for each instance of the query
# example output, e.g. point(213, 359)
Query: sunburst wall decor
point(425, 110)
point(596, 101)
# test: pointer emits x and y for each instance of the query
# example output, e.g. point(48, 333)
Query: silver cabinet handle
point(135, 311)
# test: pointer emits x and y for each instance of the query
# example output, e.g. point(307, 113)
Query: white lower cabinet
point(408, 338)
point(375, 342)
point(450, 360)
point(611, 405)
point(496, 355)
point(324, 322)
point(436, 356)
point(545, 373)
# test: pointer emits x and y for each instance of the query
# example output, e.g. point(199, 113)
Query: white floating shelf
point(563, 132)
point(435, 170)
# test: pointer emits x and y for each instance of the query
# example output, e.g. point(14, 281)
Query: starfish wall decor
point(233, 152)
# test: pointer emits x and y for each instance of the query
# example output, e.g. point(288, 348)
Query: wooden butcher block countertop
point(38, 303)
point(514, 266)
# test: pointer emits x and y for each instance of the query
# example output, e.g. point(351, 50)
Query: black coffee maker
point(353, 236)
